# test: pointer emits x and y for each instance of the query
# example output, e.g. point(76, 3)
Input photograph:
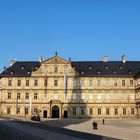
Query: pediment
point(56, 60)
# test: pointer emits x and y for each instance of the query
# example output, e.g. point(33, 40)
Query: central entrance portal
point(55, 112)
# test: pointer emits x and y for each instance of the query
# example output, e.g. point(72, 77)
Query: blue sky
point(80, 29)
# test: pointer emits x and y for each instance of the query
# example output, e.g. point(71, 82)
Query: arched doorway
point(55, 112)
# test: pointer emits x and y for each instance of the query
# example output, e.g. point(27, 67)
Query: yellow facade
point(46, 93)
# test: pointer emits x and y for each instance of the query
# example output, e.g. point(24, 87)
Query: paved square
point(121, 129)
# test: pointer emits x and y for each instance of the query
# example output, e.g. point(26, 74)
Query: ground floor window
point(116, 111)
point(91, 111)
point(74, 111)
point(124, 111)
point(26, 111)
point(107, 111)
point(35, 111)
point(82, 111)
point(8, 110)
point(132, 111)
point(99, 111)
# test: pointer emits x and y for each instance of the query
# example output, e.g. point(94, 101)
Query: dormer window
point(22, 67)
point(55, 69)
point(89, 67)
point(106, 67)
point(12, 72)
point(28, 72)
point(98, 72)
point(121, 67)
point(114, 72)
point(129, 71)
point(82, 72)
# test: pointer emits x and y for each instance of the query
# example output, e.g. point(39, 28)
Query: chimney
point(41, 59)
point(12, 62)
point(105, 59)
point(124, 59)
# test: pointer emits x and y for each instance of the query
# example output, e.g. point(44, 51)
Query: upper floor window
point(55, 82)
point(27, 96)
point(18, 95)
point(9, 95)
point(35, 82)
point(74, 97)
point(55, 95)
point(99, 82)
point(55, 69)
point(131, 82)
point(46, 83)
point(132, 97)
point(90, 95)
point(35, 95)
point(124, 96)
point(82, 96)
point(99, 96)
point(19, 83)
point(90, 83)
point(65, 70)
point(74, 83)
point(46, 70)
point(123, 82)
point(82, 83)
point(115, 96)
point(107, 83)
point(9, 82)
point(115, 82)
point(107, 96)
point(27, 83)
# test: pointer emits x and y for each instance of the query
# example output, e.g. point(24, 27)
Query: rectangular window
point(99, 83)
point(19, 83)
point(26, 111)
point(132, 97)
point(35, 96)
point(124, 111)
point(123, 96)
point(91, 111)
point(107, 83)
point(74, 111)
point(82, 111)
point(27, 83)
point(82, 83)
point(35, 82)
point(90, 95)
point(131, 82)
point(8, 110)
point(99, 111)
point(55, 82)
point(18, 110)
point(82, 96)
point(115, 83)
point(107, 96)
point(107, 111)
point(132, 111)
point(18, 95)
point(116, 111)
point(55, 95)
point(74, 83)
point(123, 82)
point(27, 96)
point(9, 95)
point(55, 69)
point(46, 70)
point(46, 83)
point(99, 96)
point(90, 83)
point(46, 96)
point(9, 82)
point(74, 97)
point(115, 96)
point(65, 70)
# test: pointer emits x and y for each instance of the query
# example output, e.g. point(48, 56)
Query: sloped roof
point(84, 68)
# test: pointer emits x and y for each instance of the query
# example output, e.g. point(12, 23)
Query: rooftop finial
point(56, 53)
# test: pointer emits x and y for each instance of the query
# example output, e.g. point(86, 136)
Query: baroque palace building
point(57, 88)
